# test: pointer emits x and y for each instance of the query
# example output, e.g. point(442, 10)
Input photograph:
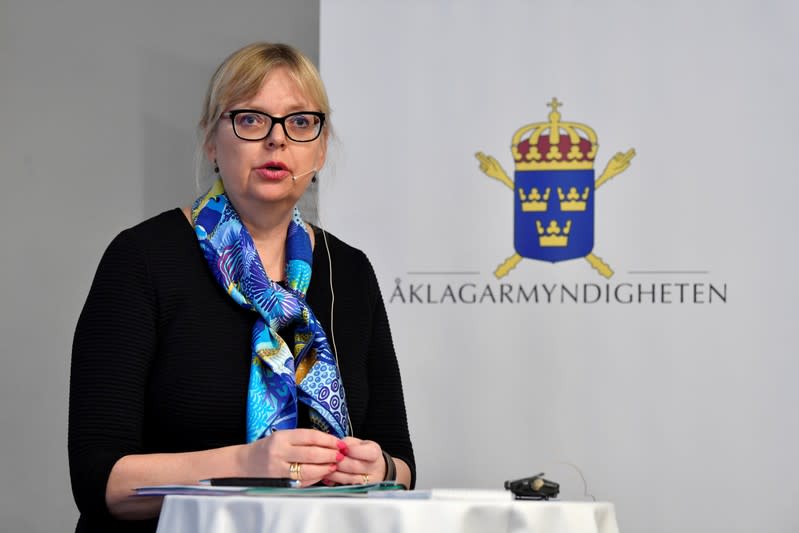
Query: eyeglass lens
point(253, 126)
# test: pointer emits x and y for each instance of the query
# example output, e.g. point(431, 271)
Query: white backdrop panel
point(675, 410)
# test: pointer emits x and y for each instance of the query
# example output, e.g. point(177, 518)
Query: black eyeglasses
point(252, 125)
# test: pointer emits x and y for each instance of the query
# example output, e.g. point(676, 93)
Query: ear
point(320, 162)
point(210, 151)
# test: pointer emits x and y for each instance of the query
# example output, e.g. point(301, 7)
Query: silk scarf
point(279, 379)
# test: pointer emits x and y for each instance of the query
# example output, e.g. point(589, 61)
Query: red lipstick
point(273, 171)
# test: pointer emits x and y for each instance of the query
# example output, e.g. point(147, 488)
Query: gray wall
point(98, 100)
point(680, 414)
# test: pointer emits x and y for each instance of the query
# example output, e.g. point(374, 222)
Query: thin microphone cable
point(350, 430)
point(580, 472)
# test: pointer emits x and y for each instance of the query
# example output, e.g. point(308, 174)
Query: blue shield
point(554, 214)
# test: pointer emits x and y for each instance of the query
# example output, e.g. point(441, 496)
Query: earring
point(313, 178)
point(216, 167)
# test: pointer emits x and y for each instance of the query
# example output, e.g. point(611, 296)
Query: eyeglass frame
point(275, 120)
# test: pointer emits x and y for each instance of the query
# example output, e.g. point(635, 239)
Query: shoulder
point(344, 254)
point(168, 233)
point(168, 226)
point(348, 265)
point(165, 241)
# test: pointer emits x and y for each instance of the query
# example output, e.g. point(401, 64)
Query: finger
point(354, 466)
point(349, 442)
point(336, 478)
point(350, 479)
point(365, 451)
point(314, 455)
point(625, 156)
point(622, 163)
point(310, 473)
point(485, 161)
point(310, 437)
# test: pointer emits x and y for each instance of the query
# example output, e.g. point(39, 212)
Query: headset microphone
point(295, 176)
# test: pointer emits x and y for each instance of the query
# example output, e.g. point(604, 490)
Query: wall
point(99, 101)
point(679, 414)
point(677, 409)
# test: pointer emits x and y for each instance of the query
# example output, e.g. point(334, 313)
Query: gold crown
point(553, 235)
point(554, 145)
point(534, 201)
point(572, 200)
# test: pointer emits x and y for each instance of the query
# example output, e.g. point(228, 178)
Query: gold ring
point(365, 478)
point(295, 471)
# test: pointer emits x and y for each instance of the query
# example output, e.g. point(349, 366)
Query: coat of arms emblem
point(554, 190)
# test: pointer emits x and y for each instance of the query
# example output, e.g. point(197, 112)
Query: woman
point(209, 344)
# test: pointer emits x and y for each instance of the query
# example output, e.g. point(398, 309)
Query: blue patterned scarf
point(278, 378)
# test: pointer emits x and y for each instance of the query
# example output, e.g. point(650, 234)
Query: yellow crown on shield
point(554, 145)
point(534, 201)
point(553, 235)
point(573, 200)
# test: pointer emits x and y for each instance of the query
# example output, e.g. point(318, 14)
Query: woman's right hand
point(316, 453)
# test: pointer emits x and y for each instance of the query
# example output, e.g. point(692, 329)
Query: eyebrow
point(294, 108)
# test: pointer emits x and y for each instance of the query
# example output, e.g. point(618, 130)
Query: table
point(439, 511)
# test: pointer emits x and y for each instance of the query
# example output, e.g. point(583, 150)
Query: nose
point(277, 135)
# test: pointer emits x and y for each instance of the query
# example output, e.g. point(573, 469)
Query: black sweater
point(161, 357)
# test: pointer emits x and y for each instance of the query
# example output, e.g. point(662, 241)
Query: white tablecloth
point(445, 511)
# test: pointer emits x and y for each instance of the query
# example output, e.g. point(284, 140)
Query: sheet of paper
point(208, 490)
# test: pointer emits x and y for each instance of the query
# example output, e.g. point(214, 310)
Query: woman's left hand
point(363, 463)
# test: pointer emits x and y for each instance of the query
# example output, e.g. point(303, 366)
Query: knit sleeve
point(113, 347)
point(386, 421)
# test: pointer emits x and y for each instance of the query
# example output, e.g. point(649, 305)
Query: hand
point(362, 463)
point(316, 453)
point(491, 167)
point(617, 164)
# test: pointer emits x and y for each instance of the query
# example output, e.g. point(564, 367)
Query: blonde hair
point(241, 76)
